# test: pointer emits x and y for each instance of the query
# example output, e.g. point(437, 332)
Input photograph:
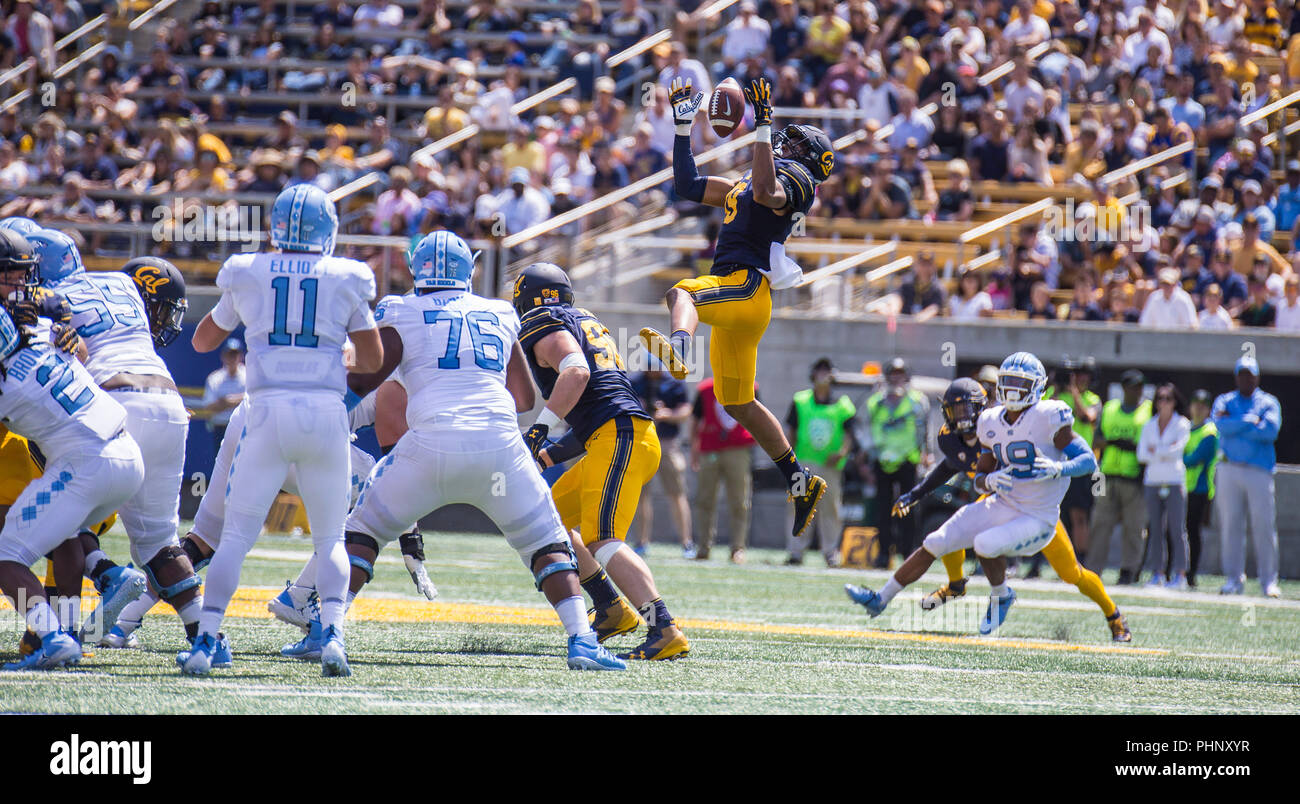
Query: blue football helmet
point(9, 337)
point(57, 257)
point(19, 224)
point(1021, 381)
point(303, 218)
point(442, 261)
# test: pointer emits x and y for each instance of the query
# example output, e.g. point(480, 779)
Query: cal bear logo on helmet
point(150, 278)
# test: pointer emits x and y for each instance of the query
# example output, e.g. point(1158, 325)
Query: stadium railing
point(27, 68)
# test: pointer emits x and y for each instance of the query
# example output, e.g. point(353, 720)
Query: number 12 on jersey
point(306, 337)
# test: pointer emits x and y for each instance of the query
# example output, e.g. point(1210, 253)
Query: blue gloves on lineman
point(684, 105)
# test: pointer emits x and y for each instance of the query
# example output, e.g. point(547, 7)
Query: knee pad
point(607, 552)
point(197, 559)
point(168, 554)
point(363, 565)
point(557, 566)
point(359, 538)
point(413, 544)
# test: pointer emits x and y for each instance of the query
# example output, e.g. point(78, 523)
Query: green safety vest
point(821, 427)
point(1118, 425)
point(1194, 473)
point(1090, 399)
point(894, 431)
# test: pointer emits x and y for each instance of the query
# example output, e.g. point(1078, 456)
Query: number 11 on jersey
point(306, 337)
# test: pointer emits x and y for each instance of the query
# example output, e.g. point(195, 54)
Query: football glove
point(535, 440)
point(1046, 469)
point(759, 95)
point(903, 504)
point(420, 576)
point(999, 482)
point(684, 105)
point(65, 337)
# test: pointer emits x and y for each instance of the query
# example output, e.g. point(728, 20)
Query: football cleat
point(1119, 628)
point(333, 659)
point(949, 591)
point(87, 651)
point(586, 653)
point(222, 656)
point(116, 638)
point(865, 598)
point(296, 605)
point(117, 587)
point(1273, 591)
point(1233, 588)
point(58, 649)
point(619, 618)
point(805, 505)
point(197, 661)
point(661, 644)
point(994, 617)
point(306, 648)
point(659, 346)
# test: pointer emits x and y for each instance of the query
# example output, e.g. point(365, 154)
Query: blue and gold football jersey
point(749, 229)
point(608, 393)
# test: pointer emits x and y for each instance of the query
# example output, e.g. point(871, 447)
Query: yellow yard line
point(250, 603)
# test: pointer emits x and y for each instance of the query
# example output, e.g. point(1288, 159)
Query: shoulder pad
point(231, 268)
point(539, 321)
point(798, 182)
point(389, 307)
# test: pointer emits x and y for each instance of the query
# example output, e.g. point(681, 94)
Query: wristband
point(763, 134)
point(548, 418)
point(683, 129)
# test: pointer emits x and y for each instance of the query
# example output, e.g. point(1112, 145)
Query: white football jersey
point(49, 397)
point(110, 317)
point(1016, 445)
point(455, 348)
point(297, 310)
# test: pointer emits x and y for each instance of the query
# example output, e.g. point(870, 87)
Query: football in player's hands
point(726, 108)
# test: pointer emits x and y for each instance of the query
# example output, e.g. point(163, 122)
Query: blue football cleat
point(58, 649)
point(296, 605)
point(197, 661)
point(585, 653)
point(333, 659)
point(222, 656)
point(117, 588)
point(866, 598)
point(308, 647)
point(1233, 588)
point(993, 619)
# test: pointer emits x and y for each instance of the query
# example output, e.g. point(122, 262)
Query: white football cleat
point(296, 605)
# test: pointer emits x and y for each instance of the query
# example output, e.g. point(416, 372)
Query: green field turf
point(765, 639)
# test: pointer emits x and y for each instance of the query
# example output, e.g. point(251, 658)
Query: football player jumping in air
point(962, 404)
point(1029, 453)
point(760, 210)
point(576, 364)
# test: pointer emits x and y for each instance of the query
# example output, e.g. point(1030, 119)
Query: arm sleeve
point(566, 448)
point(939, 474)
point(687, 181)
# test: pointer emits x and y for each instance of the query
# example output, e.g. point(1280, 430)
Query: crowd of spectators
point(212, 109)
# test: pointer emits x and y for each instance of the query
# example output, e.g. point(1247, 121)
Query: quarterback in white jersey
point(466, 380)
point(91, 466)
point(1029, 452)
point(299, 306)
point(110, 315)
